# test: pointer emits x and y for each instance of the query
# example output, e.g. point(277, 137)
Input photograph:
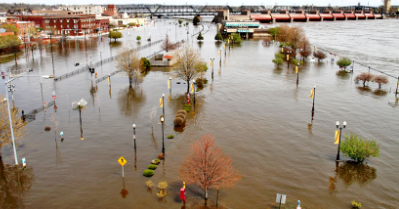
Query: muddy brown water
point(256, 112)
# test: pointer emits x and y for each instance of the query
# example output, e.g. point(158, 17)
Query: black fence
point(99, 63)
point(30, 116)
point(365, 65)
point(148, 57)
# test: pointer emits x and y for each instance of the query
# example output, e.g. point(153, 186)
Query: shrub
point(200, 82)
point(319, 55)
point(145, 65)
point(182, 112)
point(148, 173)
point(295, 61)
point(356, 204)
point(149, 184)
point(218, 37)
point(47, 128)
point(161, 193)
point(160, 156)
point(277, 61)
point(180, 21)
point(200, 37)
point(152, 167)
point(182, 116)
point(178, 122)
point(196, 20)
point(162, 185)
point(380, 79)
point(187, 108)
point(344, 62)
point(138, 38)
point(171, 136)
point(155, 161)
point(282, 44)
point(364, 77)
point(358, 149)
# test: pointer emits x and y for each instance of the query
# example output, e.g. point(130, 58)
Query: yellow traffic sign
point(122, 161)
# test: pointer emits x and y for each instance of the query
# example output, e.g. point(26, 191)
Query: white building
point(86, 9)
point(3, 17)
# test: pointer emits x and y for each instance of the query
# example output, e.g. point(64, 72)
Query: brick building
point(111, 11)
point(70, 25)
point(102, 25)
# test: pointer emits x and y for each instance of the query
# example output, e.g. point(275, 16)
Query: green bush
point(152, 167)
point(282, 44)
point(171, 136)
point(277, 61)
point(138, 38)
point(187, 108)
point(157, 161)
point(358, 149)
point(356, 204)
point(344, 62)
point(200, 37)
point(279, 56)
point(180, 21)
point(196, 20)
point(148, 173)
point(200, 82)
point(295, 61)
point(218, 37)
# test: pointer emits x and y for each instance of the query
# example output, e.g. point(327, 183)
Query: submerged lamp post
point(340, 133)
point(297, 73)
point(313, 95)
point(163, 140)
point(134, 135)
point(212, 59)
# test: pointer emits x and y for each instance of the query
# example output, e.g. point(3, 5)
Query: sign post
point(281, 199)
point(122, 161)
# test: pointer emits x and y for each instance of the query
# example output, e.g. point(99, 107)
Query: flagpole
point(314, 95)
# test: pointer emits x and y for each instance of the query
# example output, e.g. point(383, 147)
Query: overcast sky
point(210, 2)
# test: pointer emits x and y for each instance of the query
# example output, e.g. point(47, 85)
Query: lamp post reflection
point(81, 105)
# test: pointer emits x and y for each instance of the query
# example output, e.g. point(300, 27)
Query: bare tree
point(129, 61)
point(188, 65)
point(364, 77)
point(19, 127)
point(319, 55)
point(207, 166)
point(153, 112)
point(380, 79)
point(167, 44)
point(305, 47)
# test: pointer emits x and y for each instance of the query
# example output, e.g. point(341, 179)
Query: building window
point(55, 26)
point(61, 26)
point(67, 20)
point(60, 21)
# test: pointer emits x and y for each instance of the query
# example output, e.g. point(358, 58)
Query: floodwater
point(255, 111)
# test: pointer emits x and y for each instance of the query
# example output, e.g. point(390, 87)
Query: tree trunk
point(188, 86)
point(364, 83)
point(15, 57)
point(33, 57)
point(130, 81)
point(206, 194)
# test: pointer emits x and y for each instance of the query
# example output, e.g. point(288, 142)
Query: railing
point(99, 63)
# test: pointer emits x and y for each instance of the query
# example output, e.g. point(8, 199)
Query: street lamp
point(353, 65)
point(170, 84)
point(297, 73)
point(51, 48)
point(163, 140)
point(194, 90)
point(314, 95)
point(11, 128)
point(340, 133)
point(134, 135)
point(288, 58)
point(212, 59)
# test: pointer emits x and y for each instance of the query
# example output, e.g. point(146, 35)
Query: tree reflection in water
point(130, 100)
point(14, 182)
point(351, 172)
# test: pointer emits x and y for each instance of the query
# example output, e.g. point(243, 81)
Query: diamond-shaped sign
point(122, 161)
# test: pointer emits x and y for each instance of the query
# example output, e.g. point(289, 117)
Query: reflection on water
point(380, 92)
point(131, 99)
point(14, 182)
point(343, 74)
point(351, 173)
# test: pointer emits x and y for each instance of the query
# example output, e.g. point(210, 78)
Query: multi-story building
point(111, 11)
point(70, 25)
point(102, 25)
point(3, 17)
point(86, 9)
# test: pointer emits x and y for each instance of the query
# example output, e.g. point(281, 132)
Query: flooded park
point(257, 113)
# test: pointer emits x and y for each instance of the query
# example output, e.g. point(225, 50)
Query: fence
point(365, 65)
point(31, 115)
point(148, 57)
point(101, 62)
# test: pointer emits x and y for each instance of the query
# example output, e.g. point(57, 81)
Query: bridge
point(211, 10)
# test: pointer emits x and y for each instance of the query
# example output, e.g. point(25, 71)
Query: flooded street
point(255, 111)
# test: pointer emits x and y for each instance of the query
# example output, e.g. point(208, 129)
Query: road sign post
point(122, 161)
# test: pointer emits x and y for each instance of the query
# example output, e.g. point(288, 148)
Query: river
point(255, 111)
